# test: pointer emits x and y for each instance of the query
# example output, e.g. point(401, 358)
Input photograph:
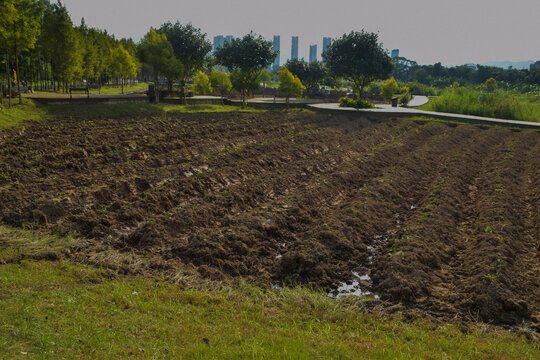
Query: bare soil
point(442, 218)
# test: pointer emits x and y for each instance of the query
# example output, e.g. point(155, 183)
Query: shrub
point(491, 84)
point(201, 83)
point(405, 96)
point(389, 88)
point(358, 104)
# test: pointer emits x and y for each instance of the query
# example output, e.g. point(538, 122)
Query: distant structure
point(294, 47)
point(536, 65)
point(471, 66)
point(276, 48)
point(312, 53)
point(219, 41)
point(395, 53)
point(228, 38)
point(326, 43)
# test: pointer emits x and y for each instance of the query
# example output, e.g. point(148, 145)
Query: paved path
point(382, 110)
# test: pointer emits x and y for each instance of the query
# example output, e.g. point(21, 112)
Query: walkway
point(388, 110)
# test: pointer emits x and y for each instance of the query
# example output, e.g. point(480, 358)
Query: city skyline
point(452, 33)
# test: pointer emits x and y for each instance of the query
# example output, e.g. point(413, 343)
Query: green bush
point(389, 88)
point(405, 97)
point(358, 104)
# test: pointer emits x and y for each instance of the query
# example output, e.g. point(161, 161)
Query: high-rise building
point(395, 53)
point(294, 47)
point(276, 48)
point(219, 41)
point(326, 43)
point(312, 53)
point(228, 38)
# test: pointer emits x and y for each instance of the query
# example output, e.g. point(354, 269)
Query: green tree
point(8, 14)
point(289, 84)
point(156, 51)
point(265, 77)
point(389, 88)
point(123, 65)
point(359, 58)
point(190, 48)
point(246, 57)
point(21, 29)
point(58, 29)
point(201, 83)
point(220, 81)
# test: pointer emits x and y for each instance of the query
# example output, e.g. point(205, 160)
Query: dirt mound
point(439, 217)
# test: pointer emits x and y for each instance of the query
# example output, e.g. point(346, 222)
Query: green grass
point(58, 309)
point(109, 89)
point(31, 111)
point(498, 104)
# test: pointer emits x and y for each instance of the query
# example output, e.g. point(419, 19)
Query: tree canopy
point(359, 58)
point(246, 57)
point(289, 84)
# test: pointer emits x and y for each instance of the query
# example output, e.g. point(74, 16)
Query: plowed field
point(439, 217)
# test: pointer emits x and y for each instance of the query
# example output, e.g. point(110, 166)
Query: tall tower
point(294, 47)
point(228, 38)
point(395, 53)
point(326, 43)
point(276, 48)
point(219, 41)
point(312, 53)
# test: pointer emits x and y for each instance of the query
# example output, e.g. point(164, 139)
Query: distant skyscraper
point(276, 48)
point(294, 47)
point(326, 43)
point(219, 41)
point(228, 38)
point(312, 53)
point(395, 53)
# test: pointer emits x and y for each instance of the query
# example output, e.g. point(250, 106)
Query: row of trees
point(42, 46)
point(438, 75)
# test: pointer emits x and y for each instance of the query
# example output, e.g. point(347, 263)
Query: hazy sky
point(452, 31)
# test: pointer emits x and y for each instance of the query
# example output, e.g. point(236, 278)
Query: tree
point(359, 58)
point(8, 14)
point(123, 65)
point(220, 81)
point(289, 84)
point(246, 57)
point(310, 74)
point(156, 51)
point(58, 29)
point(389, 88)
point(265, 77)
point(23, 28)
point(201, 84)
point(190, 48)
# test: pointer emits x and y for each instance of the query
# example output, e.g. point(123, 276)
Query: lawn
point(60, 309)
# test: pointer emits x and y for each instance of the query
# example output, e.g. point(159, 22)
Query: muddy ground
point(438, 217)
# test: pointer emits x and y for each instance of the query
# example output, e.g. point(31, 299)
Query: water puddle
point(357, 287)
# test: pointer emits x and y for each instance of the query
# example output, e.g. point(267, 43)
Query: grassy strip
point(497, 104)
point(31, 111)
point(109, 89)
point(55, 309)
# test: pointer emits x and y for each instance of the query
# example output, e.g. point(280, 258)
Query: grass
point(58, 309)
point(498, 104)
point(31, 111)
point(110, 89)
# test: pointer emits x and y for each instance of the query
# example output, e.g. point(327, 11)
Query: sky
point(452, 32)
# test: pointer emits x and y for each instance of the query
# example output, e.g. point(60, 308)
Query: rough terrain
point(440, 217)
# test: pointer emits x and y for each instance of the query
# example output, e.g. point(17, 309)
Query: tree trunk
point(243, 98)
point(8, 79)
point(183, 91)
point(156, 89)
point(18, 74)
point(122, 86)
